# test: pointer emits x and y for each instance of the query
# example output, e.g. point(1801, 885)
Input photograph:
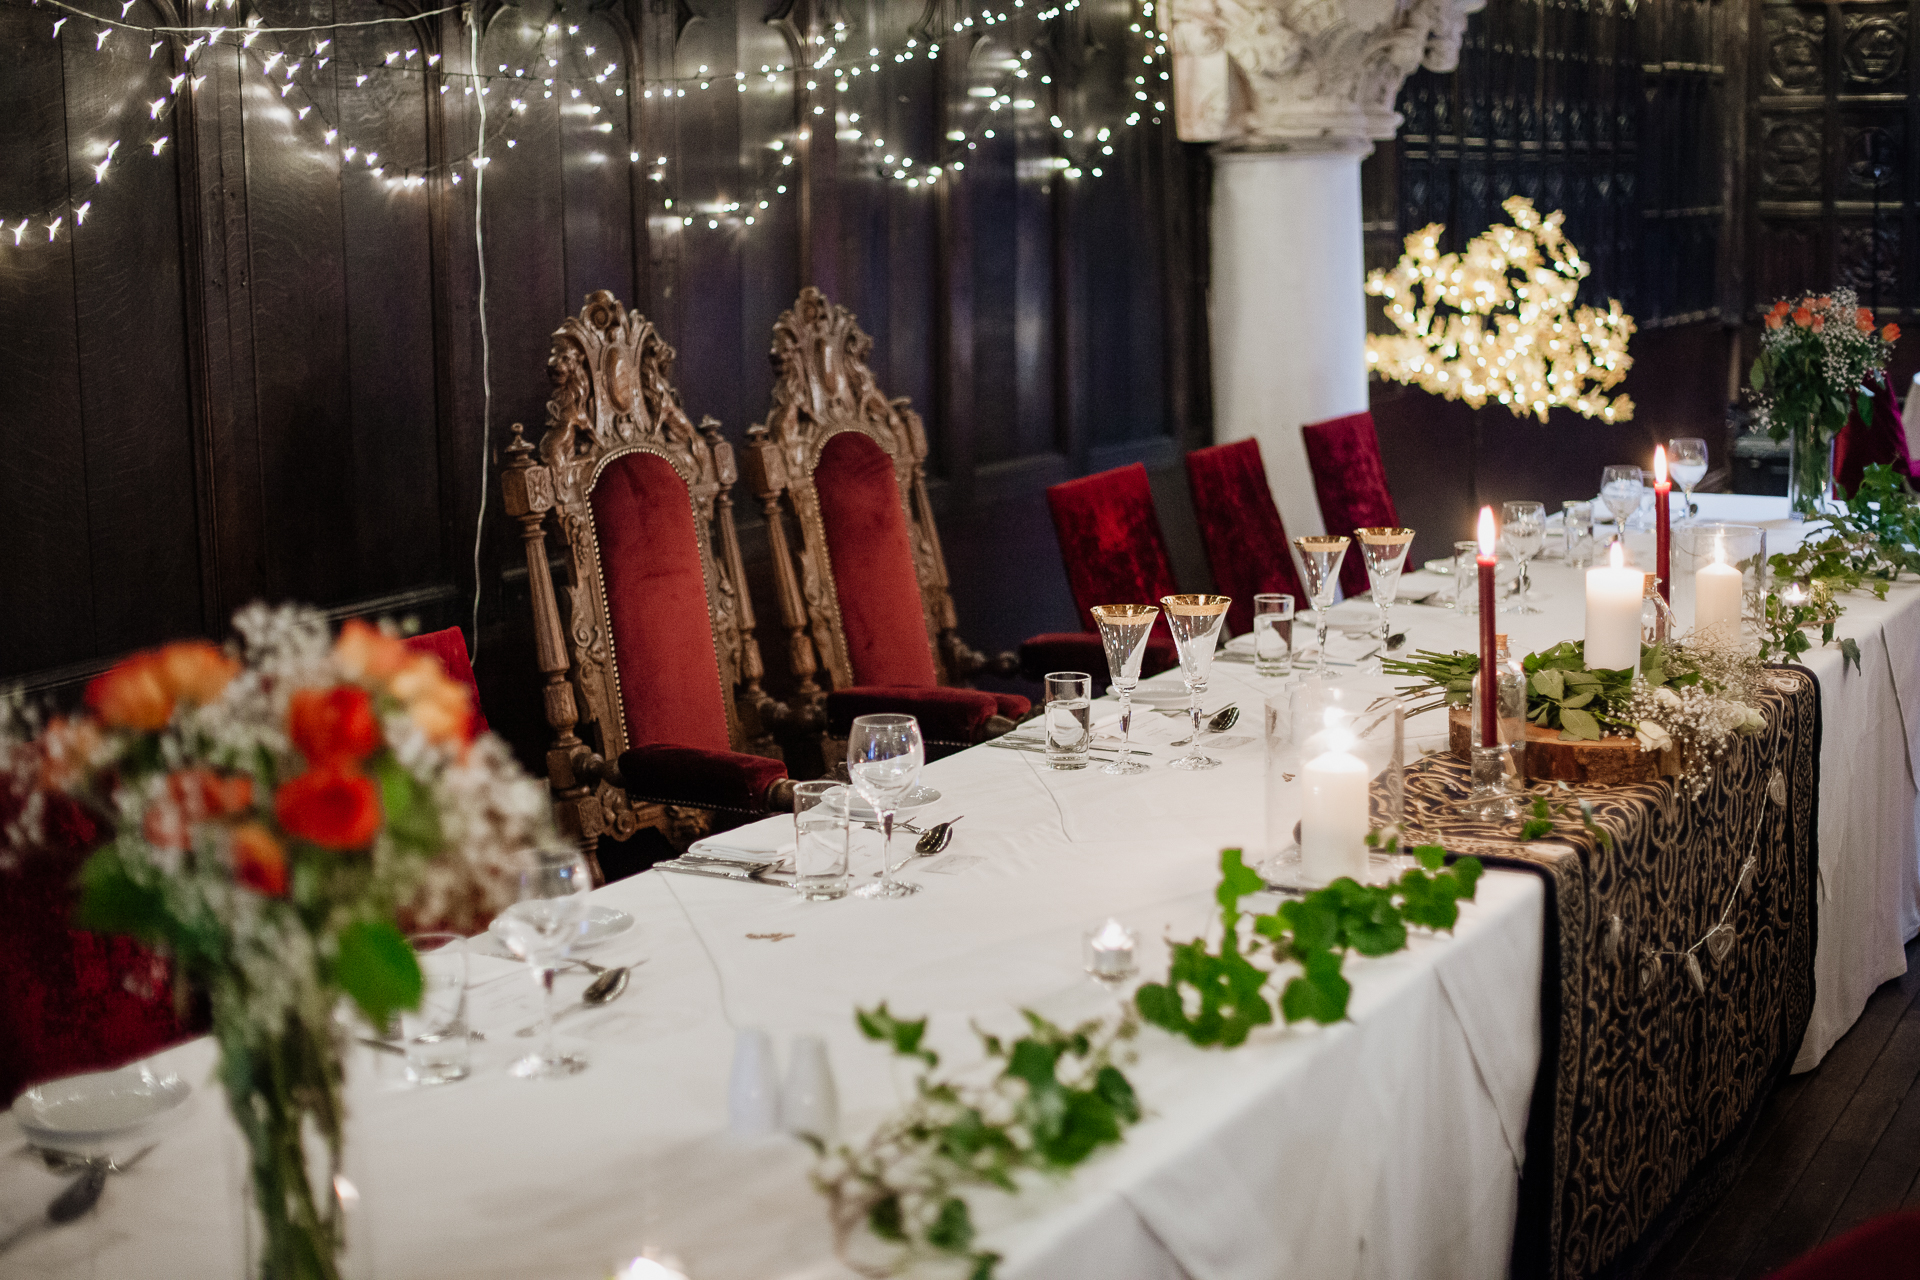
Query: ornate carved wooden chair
point(1114, 552)
point(1351, 481)
point(866, 598)
point(1245, 538)
point(653, 676)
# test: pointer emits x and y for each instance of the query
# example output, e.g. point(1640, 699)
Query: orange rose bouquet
point(1817, 355)
point(282, 810)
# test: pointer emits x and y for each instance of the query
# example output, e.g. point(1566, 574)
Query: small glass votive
point(1273, 635)
point(1108, 954)
point(1577, 530)
point(821, 838)
point(1069, 717)
point(438, 1047)
point(1466, 577)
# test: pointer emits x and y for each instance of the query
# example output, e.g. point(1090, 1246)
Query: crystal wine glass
point(1320, 556)
point(1124, 629)
point(884, 759)
point(1620, 490)
point(1195, 623)
point(541, 929)
point(1385, 551)
point(1687, 463)
point(1523, 526)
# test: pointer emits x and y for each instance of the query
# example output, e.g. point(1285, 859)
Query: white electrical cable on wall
point(486, 353)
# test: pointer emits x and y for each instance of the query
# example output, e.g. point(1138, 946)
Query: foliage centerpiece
point(281, 813)
point(1497, 321)
point(1816, 355)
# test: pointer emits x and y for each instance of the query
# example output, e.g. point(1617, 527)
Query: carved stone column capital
point(1303, 75)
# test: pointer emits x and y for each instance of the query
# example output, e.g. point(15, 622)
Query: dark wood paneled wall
point(256, 370)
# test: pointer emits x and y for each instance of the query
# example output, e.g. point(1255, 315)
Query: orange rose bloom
point(1780, 307)
point(259, 860)
point(334, 807)
point(194, 795)
point(1819, 323)
point(196, 670)
point(1803, 317)
point(133, 695)
point(1773, 322)
point(368, 653)
point(438, 704)
point(333, 725)
point(1891, 333)
point(1823, 301)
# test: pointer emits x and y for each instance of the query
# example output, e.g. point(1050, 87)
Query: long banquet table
point(1386, 1146)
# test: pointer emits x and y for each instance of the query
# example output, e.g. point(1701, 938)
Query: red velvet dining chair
point(1240, 525)
point(865, 600)
point(652, 679)
point(1114, 552)
point(70, 1000)
point(1881, 439)
point(1351, 482)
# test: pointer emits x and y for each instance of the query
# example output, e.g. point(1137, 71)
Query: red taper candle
point(1662, 526)
point(1489, 678)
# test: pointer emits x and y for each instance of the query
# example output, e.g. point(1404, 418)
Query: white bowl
point(84, 1113)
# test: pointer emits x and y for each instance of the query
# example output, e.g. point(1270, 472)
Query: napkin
point(1418, 586)
point(742, 847)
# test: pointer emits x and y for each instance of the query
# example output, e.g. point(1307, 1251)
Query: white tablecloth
point(1869, 889)
point(1385, 1146)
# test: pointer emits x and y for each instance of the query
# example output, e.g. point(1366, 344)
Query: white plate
point(603, 924)
point(1162, 697)
point(860, 811)
point(87, 1111)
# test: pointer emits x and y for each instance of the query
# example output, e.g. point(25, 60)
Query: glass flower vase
point(1809, 469)
point(284, 1091)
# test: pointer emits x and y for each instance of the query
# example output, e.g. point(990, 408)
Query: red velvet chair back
point(1882, 439)
point(1111, 542)
point(450, 646)
point(70, 1001)
point(656, 644)
point(1351, 481)
point(872, 555)
point(1245, 539)
point(656, 599)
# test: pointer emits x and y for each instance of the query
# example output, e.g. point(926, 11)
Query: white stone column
point(1294, 92)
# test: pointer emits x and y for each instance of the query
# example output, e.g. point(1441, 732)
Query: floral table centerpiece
point(283, 811)
point(1816, 355)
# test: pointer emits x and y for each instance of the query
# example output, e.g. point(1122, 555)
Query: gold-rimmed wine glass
point(1320, 556)
point(1385, 550)
point(1124, 629)
point(1195, 622)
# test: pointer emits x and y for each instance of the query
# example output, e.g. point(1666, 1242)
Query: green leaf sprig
point(1562, 691)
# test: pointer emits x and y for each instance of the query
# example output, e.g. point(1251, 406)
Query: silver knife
point(743, 871)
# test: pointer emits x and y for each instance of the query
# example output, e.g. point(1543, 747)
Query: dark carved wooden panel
point(258, 369)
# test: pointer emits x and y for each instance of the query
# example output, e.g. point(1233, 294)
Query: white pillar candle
point(1333, 818)
point(1613, 614)
point(1717, 593)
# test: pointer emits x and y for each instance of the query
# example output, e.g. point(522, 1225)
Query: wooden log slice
point(1610, 762)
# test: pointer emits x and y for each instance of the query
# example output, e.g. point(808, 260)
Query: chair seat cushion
point(1082, 651)
point(703, 779)
point(945, 715)
point(1012, 705)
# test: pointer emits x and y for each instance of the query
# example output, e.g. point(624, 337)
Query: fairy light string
point(290, 59)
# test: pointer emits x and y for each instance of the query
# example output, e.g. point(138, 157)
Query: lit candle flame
point(1486, 533)
point(1616, 557)
point(1659, 464)
point(1720, 548)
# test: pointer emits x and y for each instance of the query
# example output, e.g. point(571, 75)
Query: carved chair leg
point(590, 850)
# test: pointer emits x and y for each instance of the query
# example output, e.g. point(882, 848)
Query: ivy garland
point(1058, 1095)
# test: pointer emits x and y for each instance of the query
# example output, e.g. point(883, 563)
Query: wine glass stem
point(1193, 708)
point(886, 846)
point(1320, 635)
point(546, 1013)
point(1526, 583)
point(1386, 627)
point(1126, 725)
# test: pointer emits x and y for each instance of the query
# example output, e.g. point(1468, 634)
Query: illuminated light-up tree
point(1497, 321)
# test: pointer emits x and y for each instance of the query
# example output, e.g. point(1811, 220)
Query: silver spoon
point(602, 990)
point(1219, 722)
point(937, 837)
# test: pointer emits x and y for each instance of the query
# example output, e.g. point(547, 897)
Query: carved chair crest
point(612, 397)
point(823, 387)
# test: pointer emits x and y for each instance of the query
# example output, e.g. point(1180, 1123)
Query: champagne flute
point(1195, 623)
point(1687, 463)
point(541, 928)
point(1385, 551)
point(884, 757)
point(1320, 556)
point(1523, 525)
point(1620, 490)
point(1124, 629)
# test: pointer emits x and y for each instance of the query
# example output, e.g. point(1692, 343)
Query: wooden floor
point(1834, 1147)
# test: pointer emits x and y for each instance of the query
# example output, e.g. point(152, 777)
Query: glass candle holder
point(1344, 743)
point(1705, 557)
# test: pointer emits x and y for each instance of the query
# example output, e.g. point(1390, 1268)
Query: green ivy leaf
point(1534, 828)
point(884, 1219)
point(1319, 994)
point(952, 1230)
point(376, 968)
point(112, 902)
point(1849, 654)
point(1430, 856)
point(983, 1265)
point(878, 1024)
